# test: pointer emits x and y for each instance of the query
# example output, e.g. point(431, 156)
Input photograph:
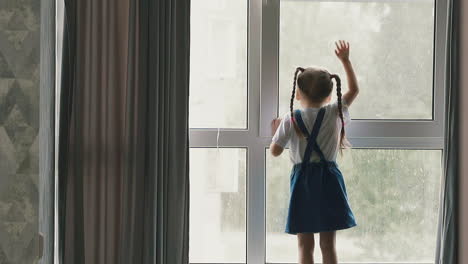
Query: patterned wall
point(19, 127)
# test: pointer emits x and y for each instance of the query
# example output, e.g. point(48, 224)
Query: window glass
point(217, 205)
point(218, 64)
point(391, 50)
point(394, 195)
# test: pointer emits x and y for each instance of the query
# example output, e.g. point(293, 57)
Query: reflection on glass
point(391, 50)
point(394, 196)
point(217, 205)
point(218, 64)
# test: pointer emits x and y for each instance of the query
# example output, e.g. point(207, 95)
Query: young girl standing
point(318, 201)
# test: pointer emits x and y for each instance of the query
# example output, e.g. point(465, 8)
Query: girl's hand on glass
point(342, 50)
point(274, 125)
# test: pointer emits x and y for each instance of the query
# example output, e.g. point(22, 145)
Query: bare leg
point(328, 247)
point(305, 242)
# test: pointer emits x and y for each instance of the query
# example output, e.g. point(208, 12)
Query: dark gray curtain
point(65, 109)
point(91, 132)
point(157, 112)
point(447, 238)
point(123, 139)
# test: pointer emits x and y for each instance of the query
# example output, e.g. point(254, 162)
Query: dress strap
point(312, 137)
point(300, 122)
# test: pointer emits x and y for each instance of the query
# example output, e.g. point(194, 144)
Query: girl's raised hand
point(342, 50)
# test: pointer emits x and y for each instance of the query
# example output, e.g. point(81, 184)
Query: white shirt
point(328, 136)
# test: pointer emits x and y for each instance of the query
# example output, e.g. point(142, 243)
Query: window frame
point(262, 104)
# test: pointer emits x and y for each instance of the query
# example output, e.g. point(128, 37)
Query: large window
point(243, 57)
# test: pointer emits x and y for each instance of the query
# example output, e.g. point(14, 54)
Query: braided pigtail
point(340, 111)
point(293, 120)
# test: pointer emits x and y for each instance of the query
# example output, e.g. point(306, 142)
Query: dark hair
point(298, 131)
point(340, 108)
point(316, 87)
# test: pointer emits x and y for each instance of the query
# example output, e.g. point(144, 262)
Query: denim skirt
point(318, 199)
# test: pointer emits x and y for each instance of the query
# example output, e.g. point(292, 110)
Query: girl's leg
point(328, 247)
point(305, 242)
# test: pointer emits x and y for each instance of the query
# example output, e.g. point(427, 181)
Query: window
point(217, 204)
point(218, 68)
point(244, 53)
point(392, 47)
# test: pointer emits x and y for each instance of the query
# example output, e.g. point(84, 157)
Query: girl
point(318, 201)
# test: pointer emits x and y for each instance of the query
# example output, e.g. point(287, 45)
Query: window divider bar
point(269, 92)
point(398, 143)
point(440, 63)
point(255, 159)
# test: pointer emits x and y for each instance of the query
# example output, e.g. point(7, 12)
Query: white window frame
point(262, 91)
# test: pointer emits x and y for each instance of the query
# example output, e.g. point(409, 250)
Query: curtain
point(447, 238)
point(158, 145)
point(47, 132)
point(123, 132)
point(91, 130)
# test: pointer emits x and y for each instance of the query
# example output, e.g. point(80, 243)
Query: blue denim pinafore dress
point(318, 200)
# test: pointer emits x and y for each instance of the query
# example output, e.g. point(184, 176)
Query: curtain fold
point(91, 130)
point(157, 112)
point(66, 93)
point(123, 143)
point(447, 237)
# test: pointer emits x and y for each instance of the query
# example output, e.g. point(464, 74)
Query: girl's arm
point(275, 149)
point(342, 52)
